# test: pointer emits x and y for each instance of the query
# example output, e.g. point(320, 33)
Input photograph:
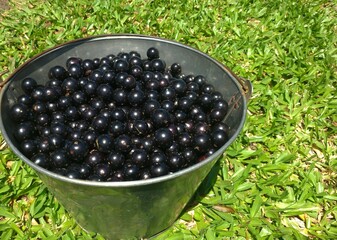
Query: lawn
point(278, 180)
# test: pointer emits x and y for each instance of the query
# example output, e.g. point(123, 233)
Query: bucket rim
point(132, 183)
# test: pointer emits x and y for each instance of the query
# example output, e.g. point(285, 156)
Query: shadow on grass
point(203, 189)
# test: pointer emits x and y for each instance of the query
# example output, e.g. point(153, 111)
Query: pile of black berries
point(119, 118)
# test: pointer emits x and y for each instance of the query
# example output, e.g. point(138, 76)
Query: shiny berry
point(163, 137)
point(102, 170)
point(28, 147)
point(175, 161)
point(75, 70)
point(158, 65)
point(185, 140)
point(202, 142)
point(179, 86)
point(152, 53)
point(131, 172)
point(105, 91)
point(104, 143)
point(94, 157)
point(25, 99)
point(120, 96)
point(118, 114)
point(217, 115)
point(136, 97)
point(121, 65)
point(73, 60)
point(96, 76)
point(57, 72)
point(123, 143)
point(41, 159)
point(115, 159)
point(139, 157)
point(70, 85)
point(28, 85)
point(158, 157)
point(59, 159)
point(175, 69)
point(160, 117)
point(78, 150)
point(219, 138)
point(159, 169)
point(19, 112)
point(200, 80)
point(84, 170)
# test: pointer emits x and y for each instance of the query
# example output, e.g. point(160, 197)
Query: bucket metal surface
point(131, 209)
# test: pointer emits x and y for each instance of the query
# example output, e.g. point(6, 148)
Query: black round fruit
point(119, 117)
point(152, 53)
point(159, 169)
point(28, 85)
point(104, 143)
point(163, 137)
point(19, 112)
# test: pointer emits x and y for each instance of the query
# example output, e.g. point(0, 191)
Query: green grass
point(278, 180)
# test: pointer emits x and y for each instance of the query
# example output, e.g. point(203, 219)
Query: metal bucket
point(131, 209)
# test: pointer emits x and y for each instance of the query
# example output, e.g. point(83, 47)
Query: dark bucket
point(142, 208)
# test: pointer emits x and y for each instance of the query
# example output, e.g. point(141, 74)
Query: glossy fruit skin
point(117, 128)
point(139, 157)
point(102, 170)
point(175, 69)
point(160, 117)
point(202, 142)
point(59, 159)
point(19, 112)
point(105, 91)
point(116, 159)
point(78, 150)
point(24, 130)
point(28, 85)
point(185, 140)
point(75, 70)
point(123, 143)
point(179, 86)
point(219, 137)
point(69, 85)
point(94, 157)
point(131, 172)
point(85, 171)
point(152, 53)
point(73, 60)
point(176, 161)
point(104, 143)
point(217, 115)
point(25, 99)
point(163, 137)
point(168, 93)
point(121, 65)
point(29, 147)
point(119, 118)
point(158, 65)
point(57, 72)
point(41, 159)
point(100, 124)
point(159, 169)
point(158, 157)
point(136, 97)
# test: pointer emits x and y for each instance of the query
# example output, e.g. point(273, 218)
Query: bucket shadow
point(204, 188)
